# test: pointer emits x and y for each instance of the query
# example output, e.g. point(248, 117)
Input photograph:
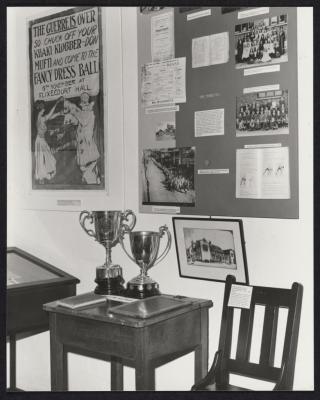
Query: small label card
point(253, 12)
point(198, 14)
point(255, 89)
point(261, 145)
point(213, 171)
point(156, 110)
point(67, 202)
point(166, 210)
point(240, 296)
point(261, 70)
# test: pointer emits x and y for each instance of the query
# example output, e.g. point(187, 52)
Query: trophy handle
point(124, 230)
point(84, 215)
point(164, 229)
point(125, 216)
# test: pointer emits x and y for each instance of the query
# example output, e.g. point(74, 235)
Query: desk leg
point(145, 376)
point(116, 374)
point(201, 351)
point(12, 341)
point(145, 372)
point(58, 356)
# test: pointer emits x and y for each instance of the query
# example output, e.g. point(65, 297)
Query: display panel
point(234, 101)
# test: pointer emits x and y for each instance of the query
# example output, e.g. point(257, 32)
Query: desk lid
point(24, 269)
point(149, 307)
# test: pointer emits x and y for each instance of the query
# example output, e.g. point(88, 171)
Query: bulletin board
point(249, 168)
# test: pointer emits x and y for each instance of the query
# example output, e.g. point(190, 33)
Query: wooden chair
point(273, 299)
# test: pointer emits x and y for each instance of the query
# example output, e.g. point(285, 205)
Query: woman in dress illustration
point(87, 151)
point(45, 160)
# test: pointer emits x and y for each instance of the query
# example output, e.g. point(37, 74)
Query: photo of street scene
point(263, 41)
point(210, 247)
point(262, 113)
point(168, 176)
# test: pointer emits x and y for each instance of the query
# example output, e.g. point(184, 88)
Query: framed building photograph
point(210, 249)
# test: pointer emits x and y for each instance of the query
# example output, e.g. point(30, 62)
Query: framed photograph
point(210, 249)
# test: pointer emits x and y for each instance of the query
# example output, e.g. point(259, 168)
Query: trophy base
point(142, 291)
point(110, 286)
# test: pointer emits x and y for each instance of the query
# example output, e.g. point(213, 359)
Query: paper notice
point(247, 174)
point(263, 173)
point(164, 82)
point(162, 37)
point(209, 122)
point(240, 296)
point(210, 50)
point(219, 48)
point(200, 52)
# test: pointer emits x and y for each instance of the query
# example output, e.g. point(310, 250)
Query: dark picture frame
point(210, 249)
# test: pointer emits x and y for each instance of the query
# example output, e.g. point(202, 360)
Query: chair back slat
point(245, 332)
point(272, 296)
point(268, 342)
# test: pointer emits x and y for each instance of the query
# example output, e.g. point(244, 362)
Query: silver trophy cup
point(108, 226)
point(145, 248)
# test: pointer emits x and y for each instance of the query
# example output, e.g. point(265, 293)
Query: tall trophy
point(107, 228)
point(145, 248)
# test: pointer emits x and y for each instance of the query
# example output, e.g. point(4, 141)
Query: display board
point(218, 111)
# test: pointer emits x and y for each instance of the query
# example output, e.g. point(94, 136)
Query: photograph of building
point(210, 247)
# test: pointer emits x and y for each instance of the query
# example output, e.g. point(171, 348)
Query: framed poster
point(66, 89)
point(210, 249)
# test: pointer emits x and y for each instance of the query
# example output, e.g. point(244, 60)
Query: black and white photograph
point(165, 130)
point(263, 113)
point(67, 130)
point(210, 248)
point(261, 42)
point(168, 176)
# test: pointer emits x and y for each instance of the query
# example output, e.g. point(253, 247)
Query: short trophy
point(107, 228)
point(144, 248)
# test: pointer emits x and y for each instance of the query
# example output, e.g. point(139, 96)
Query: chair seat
point(227, 387)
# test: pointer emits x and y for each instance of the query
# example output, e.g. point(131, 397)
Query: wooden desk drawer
point(96, 336)
point(174, 334)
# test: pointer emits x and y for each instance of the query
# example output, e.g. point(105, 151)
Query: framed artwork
point(210, 249)
point(66, 90)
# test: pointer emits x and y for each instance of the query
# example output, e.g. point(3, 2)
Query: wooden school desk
point(126, 340)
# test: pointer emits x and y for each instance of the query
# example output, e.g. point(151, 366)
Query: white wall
point(279, 252)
